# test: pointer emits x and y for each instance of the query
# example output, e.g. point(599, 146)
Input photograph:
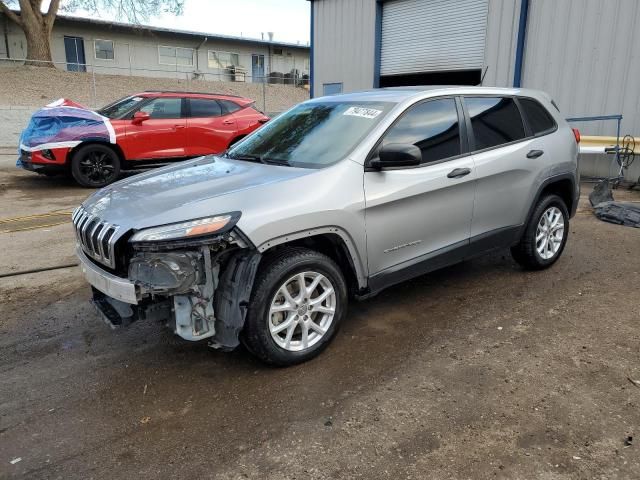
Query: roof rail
point(194, 93)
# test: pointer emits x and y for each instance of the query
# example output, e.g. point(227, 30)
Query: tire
point(537, 254)
point(283, 270)
point(94, 166)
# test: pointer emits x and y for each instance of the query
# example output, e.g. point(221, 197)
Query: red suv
point(142, 130)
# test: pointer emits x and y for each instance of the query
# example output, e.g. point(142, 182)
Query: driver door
point(419, 218)
point(162, 135)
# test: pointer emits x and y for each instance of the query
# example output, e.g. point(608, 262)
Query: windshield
point(312, 135)
point(120, 107)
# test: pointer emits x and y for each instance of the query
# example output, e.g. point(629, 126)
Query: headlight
point(189, 229)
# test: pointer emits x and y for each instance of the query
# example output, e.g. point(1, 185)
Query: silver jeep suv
point(339, 197)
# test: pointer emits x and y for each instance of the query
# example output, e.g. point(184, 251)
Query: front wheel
point(95, 166)
point(298, 302)
point(545, 235)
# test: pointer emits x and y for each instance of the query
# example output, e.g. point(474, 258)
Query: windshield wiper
point(259, 159)
point(273, 161)
point(247, 157)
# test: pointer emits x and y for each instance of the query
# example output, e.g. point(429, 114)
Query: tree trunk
point(38, 46)
point(36, 27)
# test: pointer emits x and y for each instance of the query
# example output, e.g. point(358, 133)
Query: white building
point(80, 44)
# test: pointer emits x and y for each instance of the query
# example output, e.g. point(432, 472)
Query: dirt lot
point(477, 371)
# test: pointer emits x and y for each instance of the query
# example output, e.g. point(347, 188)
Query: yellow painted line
point(31, 217)
point(35, 227)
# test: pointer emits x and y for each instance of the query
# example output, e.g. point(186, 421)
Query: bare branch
point(51, 13)
point(10, 13)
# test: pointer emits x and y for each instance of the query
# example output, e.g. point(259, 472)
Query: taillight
point(576, 133)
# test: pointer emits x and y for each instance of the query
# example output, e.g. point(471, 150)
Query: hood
point(198, 188)
point(65, 124)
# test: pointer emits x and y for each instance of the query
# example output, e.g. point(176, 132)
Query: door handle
point(179, 126)
point(459, 172)
point(535, 153)
point(228, 122)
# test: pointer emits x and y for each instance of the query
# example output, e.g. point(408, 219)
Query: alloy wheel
point(97, 167)
point(302, 311)
point(550, 233)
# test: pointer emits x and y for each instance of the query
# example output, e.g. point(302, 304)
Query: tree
point(37, 24)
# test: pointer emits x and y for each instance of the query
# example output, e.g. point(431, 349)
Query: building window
point(104, 49)
point(306, 64)
point(175, 56)
point(277, 51)
point(331, 88)
point(223, 59)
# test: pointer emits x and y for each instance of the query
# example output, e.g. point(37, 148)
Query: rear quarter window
point(230, 106)
point(539, 119)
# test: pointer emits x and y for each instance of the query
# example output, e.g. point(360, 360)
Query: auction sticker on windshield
point(363, 112)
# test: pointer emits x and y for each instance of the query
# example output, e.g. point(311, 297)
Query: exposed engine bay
point(199, 291)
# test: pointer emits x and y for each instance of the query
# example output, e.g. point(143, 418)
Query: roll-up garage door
point(432, 35)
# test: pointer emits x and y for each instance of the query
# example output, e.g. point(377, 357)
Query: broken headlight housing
point(171, 272)
point(190, 229)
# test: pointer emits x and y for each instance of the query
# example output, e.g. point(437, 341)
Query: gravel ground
point(477, 371)
point(37, 86)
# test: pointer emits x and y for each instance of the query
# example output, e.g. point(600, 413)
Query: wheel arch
point(333, 242)
point(564, 186)
point(114, 146)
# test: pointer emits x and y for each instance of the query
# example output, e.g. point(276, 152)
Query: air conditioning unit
point(238, 73)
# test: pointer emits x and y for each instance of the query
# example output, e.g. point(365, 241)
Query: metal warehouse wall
point(500, 44)
point(585, 54)
point(344, 44)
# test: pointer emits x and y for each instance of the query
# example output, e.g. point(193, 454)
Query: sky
point(288, 19)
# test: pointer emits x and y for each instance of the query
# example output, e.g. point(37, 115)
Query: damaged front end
point(198, 284)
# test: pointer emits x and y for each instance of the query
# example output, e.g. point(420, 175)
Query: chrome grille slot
point(96, 236)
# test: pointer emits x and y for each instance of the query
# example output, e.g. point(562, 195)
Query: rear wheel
point(545, 235)
point(95, 166)
point(298, 302)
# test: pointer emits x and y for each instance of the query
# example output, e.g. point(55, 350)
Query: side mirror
point(140, 117)
point(397, 155)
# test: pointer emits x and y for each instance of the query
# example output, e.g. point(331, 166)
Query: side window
point(230, 106)
point(538, 117)
point(494, 121)
point(163, 108)
point(431, 126)
point(201, 107)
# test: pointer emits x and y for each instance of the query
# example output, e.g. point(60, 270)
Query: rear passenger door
point(210, 127)
point(505, 175)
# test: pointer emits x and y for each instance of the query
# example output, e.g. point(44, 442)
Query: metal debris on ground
point(627, 214)
point(608, 210)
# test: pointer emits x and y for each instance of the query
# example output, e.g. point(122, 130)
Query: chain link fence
point(28, 85)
